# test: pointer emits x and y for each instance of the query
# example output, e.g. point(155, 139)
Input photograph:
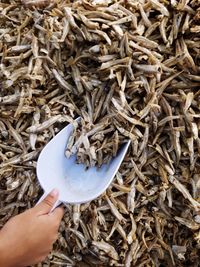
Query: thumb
point(47, 203)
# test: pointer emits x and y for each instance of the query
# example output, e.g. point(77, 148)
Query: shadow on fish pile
point(131, 70)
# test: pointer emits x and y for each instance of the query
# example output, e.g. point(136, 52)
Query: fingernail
point(54, 192)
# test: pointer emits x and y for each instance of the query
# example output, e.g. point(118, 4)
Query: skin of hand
point(27, 238)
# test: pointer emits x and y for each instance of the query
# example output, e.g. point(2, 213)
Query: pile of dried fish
point(130, 69)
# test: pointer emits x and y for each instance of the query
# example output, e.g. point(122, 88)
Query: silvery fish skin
point(130, 70)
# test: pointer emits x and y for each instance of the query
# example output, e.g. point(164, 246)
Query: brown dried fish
point(130, 70)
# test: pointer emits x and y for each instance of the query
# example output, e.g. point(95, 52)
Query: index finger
point(57, 213)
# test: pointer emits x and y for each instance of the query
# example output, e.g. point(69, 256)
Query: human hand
point(27, 238)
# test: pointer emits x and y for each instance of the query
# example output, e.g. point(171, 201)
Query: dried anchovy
point(130, 69)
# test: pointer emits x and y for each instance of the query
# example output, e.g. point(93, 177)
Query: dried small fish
point(185, 192)
point(114, 210)
point(102, 245)
point(35, 3)
point(130, 70)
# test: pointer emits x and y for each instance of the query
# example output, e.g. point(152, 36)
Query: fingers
point(55, 218)
point(46, 205)
point(58, 214)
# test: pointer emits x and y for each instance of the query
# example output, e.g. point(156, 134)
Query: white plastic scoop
point(75, 184)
